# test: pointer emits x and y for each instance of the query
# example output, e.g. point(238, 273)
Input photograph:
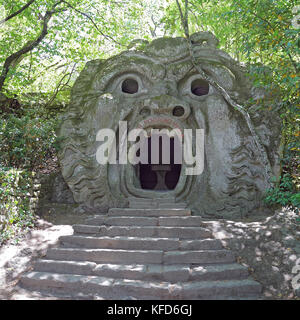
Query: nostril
point(178, 111)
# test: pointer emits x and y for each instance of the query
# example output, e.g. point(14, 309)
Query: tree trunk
point(10, 61)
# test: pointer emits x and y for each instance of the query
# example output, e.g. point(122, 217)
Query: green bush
point(16, 210)
point(285, 194)
point(25, 142)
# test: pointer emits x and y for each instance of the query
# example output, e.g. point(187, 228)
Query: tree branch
point(17, 12)
point(13, 58)
point(29, 46)
point(93, 22)
point(60, 86)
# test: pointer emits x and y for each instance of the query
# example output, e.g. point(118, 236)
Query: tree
point(13, 58)
point(74, 33)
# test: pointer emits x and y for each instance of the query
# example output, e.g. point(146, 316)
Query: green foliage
point(16, 212)
point(84, 31)
point(26, 141)
point(284, 194)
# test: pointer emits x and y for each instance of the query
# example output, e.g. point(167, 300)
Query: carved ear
point(204, 38)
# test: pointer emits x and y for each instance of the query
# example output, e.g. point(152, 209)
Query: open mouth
point(162, 174)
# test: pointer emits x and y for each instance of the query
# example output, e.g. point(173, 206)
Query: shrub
point(16, 210)
point(284, 194)
point(25, 142)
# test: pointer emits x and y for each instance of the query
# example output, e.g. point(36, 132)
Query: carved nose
point(169, 105)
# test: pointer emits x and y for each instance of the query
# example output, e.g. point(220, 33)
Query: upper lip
point(161, 121)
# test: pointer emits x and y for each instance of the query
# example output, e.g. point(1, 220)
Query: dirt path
point(18, 259)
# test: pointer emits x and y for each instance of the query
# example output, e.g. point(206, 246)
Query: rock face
point(157, 86)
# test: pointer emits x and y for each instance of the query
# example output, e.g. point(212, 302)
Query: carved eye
point(130, 86)
point(199, 87)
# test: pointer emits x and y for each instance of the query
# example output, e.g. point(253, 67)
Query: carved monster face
point(158, 87)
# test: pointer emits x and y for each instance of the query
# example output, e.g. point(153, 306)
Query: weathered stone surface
point(234, 177)
point(96, 220)
point(72, 267)
point(135, 262)
point(160, 232)
point(169, 273)
point(130, 221)
point(142, 203)
point(181, 221)
point(205, 244)
point(108, 287)
point(219, 272)
point(106, 255)
point(121, 271)
point(149, 212)
point(121, 243)
point(81, 228)
point(204, 289)
point(53, 188)
point(199, 256)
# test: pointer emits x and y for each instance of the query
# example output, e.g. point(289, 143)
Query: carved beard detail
point(159, 88)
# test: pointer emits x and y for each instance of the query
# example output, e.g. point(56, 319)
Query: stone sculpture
point(157, 86)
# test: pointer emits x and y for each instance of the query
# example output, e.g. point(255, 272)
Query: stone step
point(198, 256)
point(119, 256)
point(221, 289)
point(141, 231)
point(169, 273)
point(150, 201)
point(178, 205)
point(123, 221)
point(143, 200)
point(188, 221)
point(165, 244)
point(67, 283)
point(106, 255)
point(231, 271)
point(161, 203)
point(158, 205)
point(148, 212)
point(137, 253)
point(191, 221)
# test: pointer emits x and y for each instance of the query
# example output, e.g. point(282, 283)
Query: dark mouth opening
point(160, 176)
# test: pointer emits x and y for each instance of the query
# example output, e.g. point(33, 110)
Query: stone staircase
point(138, 253)
point(162, 203)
